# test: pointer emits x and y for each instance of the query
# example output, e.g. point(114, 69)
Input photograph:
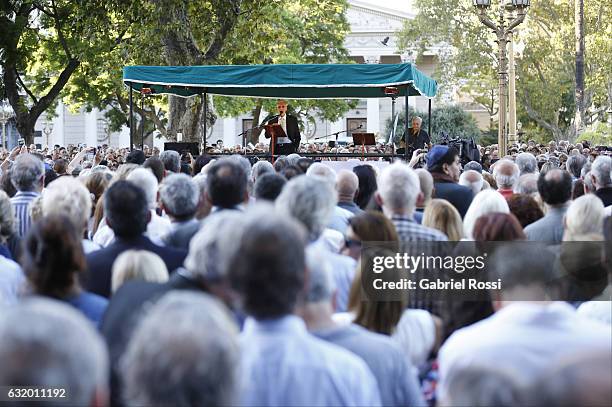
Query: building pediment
point(364, 17)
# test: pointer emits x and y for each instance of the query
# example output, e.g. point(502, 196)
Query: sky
point(402, 5)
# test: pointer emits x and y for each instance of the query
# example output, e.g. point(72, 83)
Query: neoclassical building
point(372, 40)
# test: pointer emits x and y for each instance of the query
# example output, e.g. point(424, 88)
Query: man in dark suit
point(127, 214)
point(289, 123)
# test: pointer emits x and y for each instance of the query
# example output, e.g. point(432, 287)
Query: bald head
point(347, 184)
point(473, 180)
point(426, 183)
point(506, 174)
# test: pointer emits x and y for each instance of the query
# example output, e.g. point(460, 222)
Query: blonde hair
point(440, 214)
point(138, 265)
point(67, 196)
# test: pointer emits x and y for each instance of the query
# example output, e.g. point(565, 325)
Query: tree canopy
point(75, 50)
point(545, 62)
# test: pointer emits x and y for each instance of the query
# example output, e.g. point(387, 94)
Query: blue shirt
point(92, 305)
point(344, 268)
point(283, 365)
point(21, 205)
point(397, 380)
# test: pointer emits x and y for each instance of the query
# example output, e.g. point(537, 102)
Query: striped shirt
point(410, 231)
point(21, 206)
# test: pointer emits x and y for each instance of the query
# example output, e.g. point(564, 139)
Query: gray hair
point(67, 196)
point(7, 218)
point(600, 169)
point(246, 167)
point(574, 164)
point(398, 187)
point(195, 351)
point(26, 172)
point(211, 249)
point(144, 178)
point(475, 385)
point(418, 119)
point(527, 184)
point(180, 195)
point(585, 215)
point(585, 168)
point(260, 168)
point(472, 179)
point(321, 284)
point(502, 179)
point(243, 162)
point(50, 344)
point(527, 163)
point(426, 182)
point(200, 181)
point(324, 171)
point(588, 181)
point(487, 201)
point(171, 160)
point(347, 183)
point(309, 199)
point(292, 159)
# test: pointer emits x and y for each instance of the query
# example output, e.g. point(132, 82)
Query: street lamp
point(47, 129)
point(6, 112)
point(503, 29)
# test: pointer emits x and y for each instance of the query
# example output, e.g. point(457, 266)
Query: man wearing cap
point(289, 123)
point(444, 165)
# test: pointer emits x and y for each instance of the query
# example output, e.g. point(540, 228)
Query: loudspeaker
point(181, 148)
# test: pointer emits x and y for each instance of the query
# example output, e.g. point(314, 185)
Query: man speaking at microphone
point(289, 123)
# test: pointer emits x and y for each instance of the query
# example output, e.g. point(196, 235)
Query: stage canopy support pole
point(142, 133)
point(204, 123)
point(406, 124)
point(429, 119)
point(131, 117)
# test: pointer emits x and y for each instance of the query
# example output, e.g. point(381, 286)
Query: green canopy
point(312, 81)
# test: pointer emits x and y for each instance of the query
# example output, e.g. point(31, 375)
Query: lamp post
point(502, 29)
point(6, 112)
point(47, 129)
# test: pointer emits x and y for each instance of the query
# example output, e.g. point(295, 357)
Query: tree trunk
point(180, 48)
point(579, 92)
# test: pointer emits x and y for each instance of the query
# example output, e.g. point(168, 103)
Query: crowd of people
point(146, 278)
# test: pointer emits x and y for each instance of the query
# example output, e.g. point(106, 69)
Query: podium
point(364, 139)
point(274, 131)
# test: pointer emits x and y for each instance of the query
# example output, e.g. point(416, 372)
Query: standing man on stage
point(289, 123)
point(417, 137)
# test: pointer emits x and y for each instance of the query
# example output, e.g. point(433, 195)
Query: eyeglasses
point(352, 243)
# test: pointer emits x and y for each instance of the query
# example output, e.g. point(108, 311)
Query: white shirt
point(157, 228)
point(282, 120)
point(525, 338)
point(12, 282)
point(600, 308)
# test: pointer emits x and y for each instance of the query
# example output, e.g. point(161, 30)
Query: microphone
point(273, 117)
